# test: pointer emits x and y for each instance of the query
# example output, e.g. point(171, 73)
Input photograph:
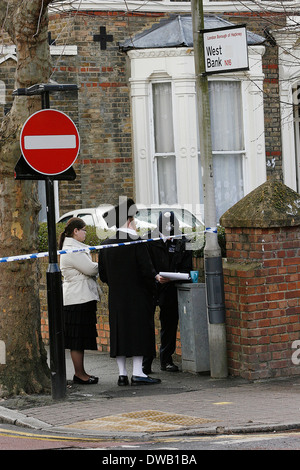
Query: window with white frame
point(227, 144)
point(164, 147)
point(296, 95)
point(227, 133)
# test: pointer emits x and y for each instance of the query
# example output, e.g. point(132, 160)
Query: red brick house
point(123, 87)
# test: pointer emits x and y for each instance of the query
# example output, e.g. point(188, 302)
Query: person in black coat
point(168, 255)
point(130, 276)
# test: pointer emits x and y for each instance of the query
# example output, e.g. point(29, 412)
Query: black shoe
point(91, 381)
point(169, 367)
point(137, 380)
point(123, 380)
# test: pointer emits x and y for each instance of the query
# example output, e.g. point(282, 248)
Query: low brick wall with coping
point(262, 282)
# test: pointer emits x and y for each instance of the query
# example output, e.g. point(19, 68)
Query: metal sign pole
point(53, 275)
point(55, 303)
point(54, 293)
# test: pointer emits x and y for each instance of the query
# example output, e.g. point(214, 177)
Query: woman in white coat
point(80, 296)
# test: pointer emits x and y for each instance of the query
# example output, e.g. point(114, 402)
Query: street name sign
point(225, 49)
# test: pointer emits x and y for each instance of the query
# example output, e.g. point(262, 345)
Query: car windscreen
point(64, 220)
point(185, 218)
point(87, 218)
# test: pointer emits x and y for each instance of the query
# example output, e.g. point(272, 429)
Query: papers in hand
point(176, 276)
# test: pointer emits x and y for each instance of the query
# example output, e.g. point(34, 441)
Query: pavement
point(185, 403)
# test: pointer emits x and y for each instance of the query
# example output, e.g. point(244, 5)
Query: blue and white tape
point(44, 254)
point(211, 230)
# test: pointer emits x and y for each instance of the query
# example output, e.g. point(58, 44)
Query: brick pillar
point(262, 282)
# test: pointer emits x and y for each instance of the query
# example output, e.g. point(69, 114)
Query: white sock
point(121, 361)
point(137, 362)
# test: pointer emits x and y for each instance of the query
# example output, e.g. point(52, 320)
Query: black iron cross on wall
point(103, 38)
point(51, 41)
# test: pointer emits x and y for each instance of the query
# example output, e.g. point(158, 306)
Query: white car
point(146, 219)
point(91, 216)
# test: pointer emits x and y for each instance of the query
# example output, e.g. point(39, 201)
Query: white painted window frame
point(153, 153)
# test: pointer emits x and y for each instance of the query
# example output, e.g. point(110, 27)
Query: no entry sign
point(49, 142)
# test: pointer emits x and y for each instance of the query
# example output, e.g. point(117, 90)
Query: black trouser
point(168, 332)
point(147, 360)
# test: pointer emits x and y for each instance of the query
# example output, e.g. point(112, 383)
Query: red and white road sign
point(49, 142)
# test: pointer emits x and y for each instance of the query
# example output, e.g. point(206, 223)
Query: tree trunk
point(25, 370)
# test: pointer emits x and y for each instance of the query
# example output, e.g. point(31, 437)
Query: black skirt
point(80, 331)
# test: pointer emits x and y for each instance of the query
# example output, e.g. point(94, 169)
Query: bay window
point(164, 150)
point(165, 129)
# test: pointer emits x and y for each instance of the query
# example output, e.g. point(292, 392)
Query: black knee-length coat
point(130, 276)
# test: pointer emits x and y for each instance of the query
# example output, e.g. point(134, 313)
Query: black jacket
point(130, 276)
point(170, 256)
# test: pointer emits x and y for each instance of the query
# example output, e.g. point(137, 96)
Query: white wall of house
point(289, 88)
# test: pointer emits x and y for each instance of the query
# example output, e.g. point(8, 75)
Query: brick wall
point(262, 301)
point(105, 165)
point(262, 282)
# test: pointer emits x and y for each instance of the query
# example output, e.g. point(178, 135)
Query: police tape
point(88, 248)
point(8, 259)
point(211, 230)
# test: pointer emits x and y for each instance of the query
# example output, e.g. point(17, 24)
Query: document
point(176, 276)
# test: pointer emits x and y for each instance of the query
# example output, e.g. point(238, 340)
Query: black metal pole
point(45, 100)
point(54, 293)
point(55, 303)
